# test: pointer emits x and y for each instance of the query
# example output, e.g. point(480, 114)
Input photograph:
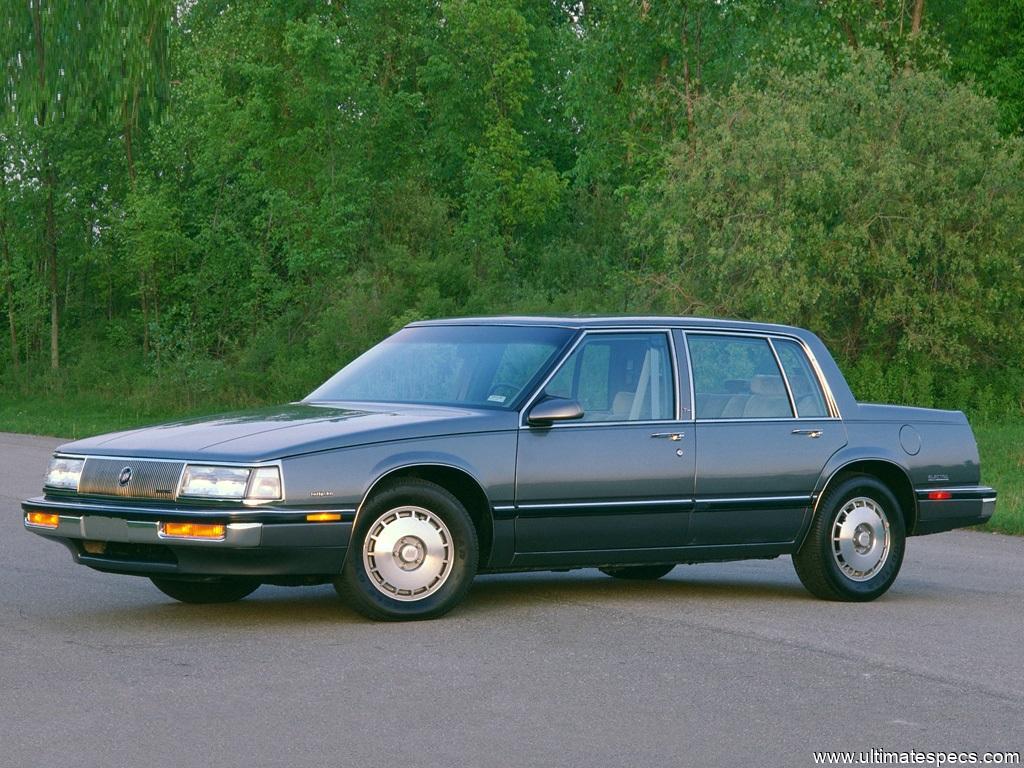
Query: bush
point(880, 208)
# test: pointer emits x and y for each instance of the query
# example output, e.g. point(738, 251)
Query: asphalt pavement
point(720, 664)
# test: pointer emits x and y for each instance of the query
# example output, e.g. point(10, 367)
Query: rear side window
point(736, 377)
point(810, 402)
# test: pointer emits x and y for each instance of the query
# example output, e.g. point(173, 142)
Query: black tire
point(637, 572)
point(820, 563)
point(362, 582)
point(206, 592)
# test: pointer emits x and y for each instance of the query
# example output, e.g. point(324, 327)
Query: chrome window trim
point(689, 373)
point(785, 379)
point(532, 400)
point(675, 374)
point(581, 425)
point(830, 401)
point(830, 405)
point(741, 420)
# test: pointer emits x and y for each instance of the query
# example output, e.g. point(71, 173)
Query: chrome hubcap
point(860, 538)
point(408, 553)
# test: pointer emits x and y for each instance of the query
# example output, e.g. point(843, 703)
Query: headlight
point(265, 485)
point(215, 482)
point(64, 473)
point(234, 483)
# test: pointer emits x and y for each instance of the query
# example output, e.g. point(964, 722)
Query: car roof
point(587, 322)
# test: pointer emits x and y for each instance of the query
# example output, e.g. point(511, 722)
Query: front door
point(620, 478)
point(763, 436)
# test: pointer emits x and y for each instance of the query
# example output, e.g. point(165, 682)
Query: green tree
point(986, 41)
point(68, 66)
point(880, 207)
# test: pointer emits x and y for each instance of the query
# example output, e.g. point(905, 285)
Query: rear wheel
point(855, 547)
point(204, 592)
point(637, 572)
point(413, 554)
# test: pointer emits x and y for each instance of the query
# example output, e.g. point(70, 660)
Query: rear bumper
point(119, 539)
point(965, 506)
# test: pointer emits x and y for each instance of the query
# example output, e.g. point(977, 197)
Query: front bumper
point(258, 543)
point(943, 509)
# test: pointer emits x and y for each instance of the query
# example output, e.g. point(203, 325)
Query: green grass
point(1001, 445)
point(76, 417)
point(1002, 466)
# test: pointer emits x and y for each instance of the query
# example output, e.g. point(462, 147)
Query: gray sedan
point(457, 447)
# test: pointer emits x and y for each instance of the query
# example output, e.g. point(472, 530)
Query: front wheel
point(413, 554)
point(855, 547)
point(205, 592)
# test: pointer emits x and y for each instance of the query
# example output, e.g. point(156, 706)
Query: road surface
point(721, 664)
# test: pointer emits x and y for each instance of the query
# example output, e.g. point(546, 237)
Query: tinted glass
point(810, 402)
point(736, 377)
point(482, 365)
point(619, 377)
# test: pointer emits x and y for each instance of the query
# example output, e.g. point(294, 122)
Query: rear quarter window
point(807, 394)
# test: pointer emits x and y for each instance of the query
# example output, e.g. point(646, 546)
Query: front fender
point(344, 477)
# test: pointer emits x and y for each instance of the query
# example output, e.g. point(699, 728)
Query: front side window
point(810, 402)
point(488, 366)
point(619, 377)
point(736, 377)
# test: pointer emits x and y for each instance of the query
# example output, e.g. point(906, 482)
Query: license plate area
point(102, 528)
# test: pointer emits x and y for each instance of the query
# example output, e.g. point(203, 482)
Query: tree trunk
point(49, 182)
point(8, 281)
point(916, 17)
point(689, 92)
point(51, 268)
point(145, 314)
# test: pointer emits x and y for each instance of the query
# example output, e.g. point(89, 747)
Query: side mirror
point(553, 409)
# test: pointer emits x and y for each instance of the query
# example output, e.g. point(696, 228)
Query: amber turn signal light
point(42, 519)
point(323, 517)
point(192, 530)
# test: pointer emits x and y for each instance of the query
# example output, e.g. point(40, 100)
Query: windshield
point(487, 366)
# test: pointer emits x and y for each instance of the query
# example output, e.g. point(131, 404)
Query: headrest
point(767, 385)
point(737, 386)
point(622, 403)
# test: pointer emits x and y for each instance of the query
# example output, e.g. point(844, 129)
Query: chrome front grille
point(148, 479)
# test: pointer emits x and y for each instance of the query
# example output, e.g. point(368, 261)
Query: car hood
point(274, 433)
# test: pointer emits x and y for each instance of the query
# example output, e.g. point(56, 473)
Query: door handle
point(812, 433)
point(673, 436)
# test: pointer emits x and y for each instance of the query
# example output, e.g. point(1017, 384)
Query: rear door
point(620, 478)
point(764, 431)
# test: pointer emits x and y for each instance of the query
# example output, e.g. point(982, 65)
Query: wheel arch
point(888, 471)
point(458, 481)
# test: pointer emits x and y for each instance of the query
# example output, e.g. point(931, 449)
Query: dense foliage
point(217, 202)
